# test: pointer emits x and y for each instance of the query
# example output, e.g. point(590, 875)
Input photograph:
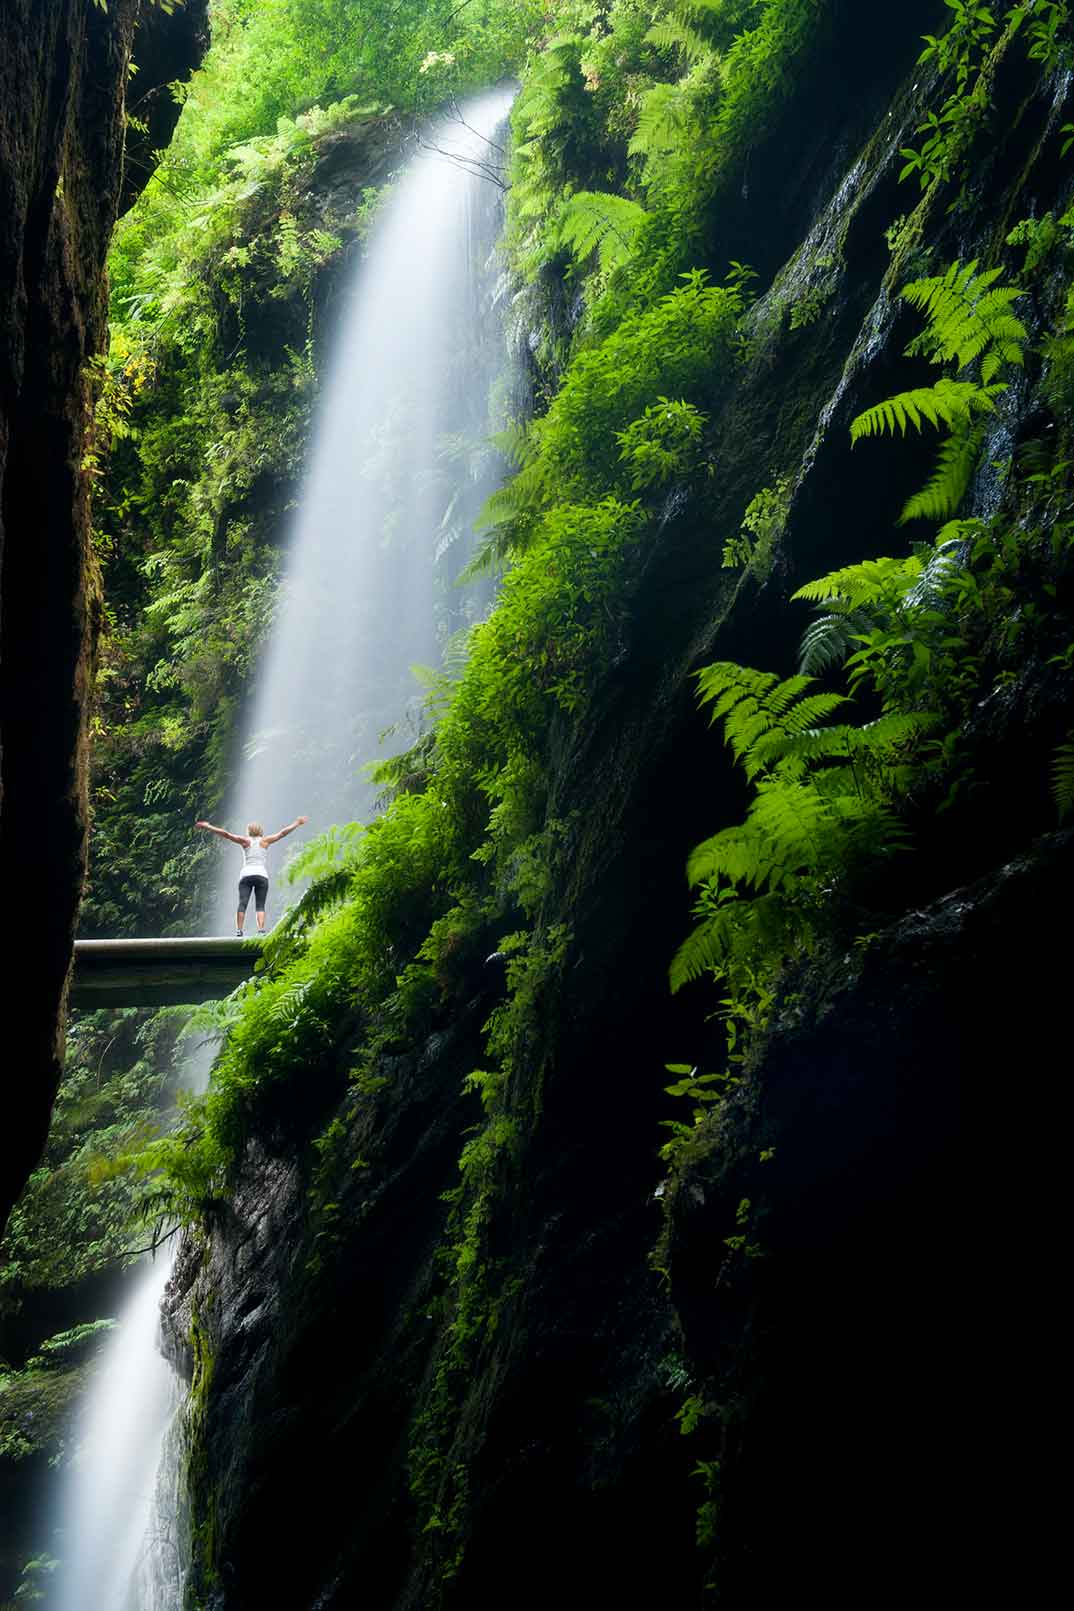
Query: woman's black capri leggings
point(255, 884)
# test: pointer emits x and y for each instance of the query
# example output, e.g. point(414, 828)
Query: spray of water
point(110, 1525)
point(110, 1483)
point(399, 467)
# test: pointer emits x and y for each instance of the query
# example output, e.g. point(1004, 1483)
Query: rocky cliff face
point(721, 1407)
point(63, 82)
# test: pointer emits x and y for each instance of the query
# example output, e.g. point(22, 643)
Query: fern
point(824, 799)
point(879, 741)
point(515, 442)
point(967, 318)
point(753, 703)
point(759, 928)
point(828, 641)
point(661, 124)
point(946, 487)
point(949, 402)
point(596, 221)
point(675, 34)
point(1063, 778)
point(870, 583)
point(510, 514)
point(968, 322)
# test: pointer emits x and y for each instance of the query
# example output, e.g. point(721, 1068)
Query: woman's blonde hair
point(254, 829)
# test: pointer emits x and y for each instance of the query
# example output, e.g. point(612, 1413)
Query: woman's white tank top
point(254, 864)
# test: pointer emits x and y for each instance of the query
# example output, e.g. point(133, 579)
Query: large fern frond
point(674, 34)
point(510, 515)
point(661, 123)
point(949, 402)
point(731, 854)
point(487, 558)
point(749, 702)
point(703, 951)
point(870, 583)
point(765, 925)
point(792, 817)
point(516, 444)
point(967, 313)
point(1063, 778)
point(945, 489)
point(874, 742)
point(828, 641)
point(596, 221)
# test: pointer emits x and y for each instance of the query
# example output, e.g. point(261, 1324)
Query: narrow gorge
point(609, 466)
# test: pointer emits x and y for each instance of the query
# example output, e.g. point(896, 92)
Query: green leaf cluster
point(630, 123)
point(822, 802)
point(80, 1212)
point(970, 325)
point(924, 637)
point(964, 59)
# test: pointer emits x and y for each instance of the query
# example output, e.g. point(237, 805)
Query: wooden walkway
point(159, 973)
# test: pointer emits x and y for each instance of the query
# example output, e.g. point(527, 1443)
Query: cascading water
point(399, 467)
point(108, 1508)
point(111, 1528)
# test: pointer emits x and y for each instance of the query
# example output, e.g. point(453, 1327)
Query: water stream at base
point(399, 467)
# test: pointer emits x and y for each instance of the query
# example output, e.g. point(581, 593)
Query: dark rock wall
point(63, 79)
point(565, 1476)
point(861, 1361)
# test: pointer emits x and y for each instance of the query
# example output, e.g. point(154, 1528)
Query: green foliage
point(823, 802)
point(1040, 237)
point(960, 57)
point(964, 59)
point(925, 637)
point(597, 222)
point(680, 348)
point(1063, 778)
point(80, 1210)
point(662, 444)
point(969, 324)
point(708, 1472)
point(53, 1351)
point(705, 1091)
point(762, 526)
point(948, 402)
point(661, 109)
point(969, 318)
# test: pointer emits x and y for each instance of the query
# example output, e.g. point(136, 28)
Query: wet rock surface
point(883, 1140)
point(829, 1360)
point(63, 78)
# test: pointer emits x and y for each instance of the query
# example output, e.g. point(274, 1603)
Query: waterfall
point(399, 466)
point(112, 1527)
point(109, 1486)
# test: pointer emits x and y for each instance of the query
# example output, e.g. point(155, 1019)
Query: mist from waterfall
point(127, 1409)
point(110, 1525)
point(399, 466)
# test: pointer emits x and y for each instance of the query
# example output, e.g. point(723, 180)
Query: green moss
point(35, 1408)
point(202, 1494)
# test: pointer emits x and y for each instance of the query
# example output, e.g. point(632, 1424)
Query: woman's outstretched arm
point(271, 838)
point(236, 839)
